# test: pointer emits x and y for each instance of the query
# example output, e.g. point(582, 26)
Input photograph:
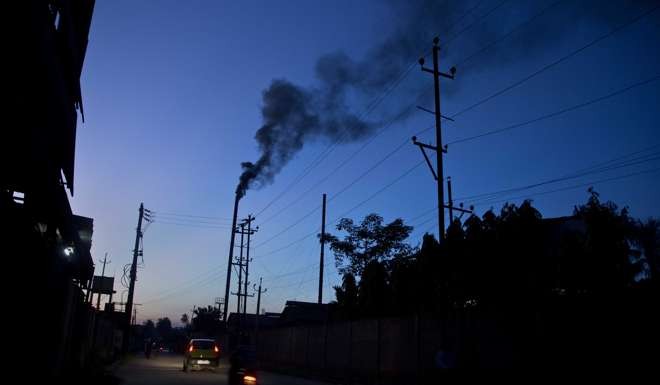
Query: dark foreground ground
point(166, 369)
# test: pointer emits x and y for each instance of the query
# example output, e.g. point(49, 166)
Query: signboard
point(103, 285)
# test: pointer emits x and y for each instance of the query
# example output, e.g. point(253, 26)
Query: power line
point(556, 62)
point(340, 166)
point(470, 107)
point(160, 213)
point(202, 226)
point(484, 16)
point(348, 186)
point(465, 60)
point(194, 221)
point(371, 107)
point(344, 189)
point(193, 282)
point(397, 179)
point(600, 167)
point(513, 86)
point(462, 63)
point(193, 286)
point(372, 196)
point(575, 186)
point(483, 49)
point(557, 113)
point(633, 162)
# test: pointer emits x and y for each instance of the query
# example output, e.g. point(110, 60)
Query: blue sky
point(172, 94)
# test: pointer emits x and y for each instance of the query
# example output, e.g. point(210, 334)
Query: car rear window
point(203, 345)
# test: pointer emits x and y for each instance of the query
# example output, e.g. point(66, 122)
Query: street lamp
point(68, 251)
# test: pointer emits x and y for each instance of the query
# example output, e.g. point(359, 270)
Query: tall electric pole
point(259, 290)
point(450, 205)
point(131, 286)
point(321, 262)
point(438, 148)
point(450, 201)
point(240, 272)
point(98, 295)
point(242, 265)
point(258, 310)
point(250, 231)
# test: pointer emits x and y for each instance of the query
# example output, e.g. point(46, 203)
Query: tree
point(164, 328)
point(206, 319)
point(149, 329)
point(370, 241)
point(184, 319)
point(648, 237)
point(405, 286)
point(374, 290)
point(607, 249)
point(347, 296)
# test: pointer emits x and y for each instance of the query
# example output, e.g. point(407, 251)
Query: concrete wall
point(388, 350)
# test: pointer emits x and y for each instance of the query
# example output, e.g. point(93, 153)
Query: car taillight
point(190, 349)
point(216, 349)
point(249, 380)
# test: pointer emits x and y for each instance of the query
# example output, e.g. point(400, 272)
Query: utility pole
point(240, 272)
point(450, 205)
point(134, 318)
point(98, 295)
point(438, 148)
point(131, 287)
point(321, 262)
point(450, 201)
point(258, 310)
point(259, 290)
point(249, 220)
point(243, 264)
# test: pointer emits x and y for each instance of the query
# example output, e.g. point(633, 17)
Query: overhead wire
point(557, 113)
point(370, 108)
point(558, 61)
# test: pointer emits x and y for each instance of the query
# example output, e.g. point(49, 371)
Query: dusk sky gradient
point(172, 95)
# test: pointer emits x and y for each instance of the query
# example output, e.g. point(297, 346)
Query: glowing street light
point(68, 251)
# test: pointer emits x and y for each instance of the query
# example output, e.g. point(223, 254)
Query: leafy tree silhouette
point(206, 319)
point(347, 296)
point(164, 328)
point(367, 242)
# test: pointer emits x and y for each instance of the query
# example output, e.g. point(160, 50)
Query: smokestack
point(231, 253)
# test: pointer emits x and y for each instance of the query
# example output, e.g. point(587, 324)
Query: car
point(200, 354)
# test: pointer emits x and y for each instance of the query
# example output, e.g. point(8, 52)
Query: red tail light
point(190, 349)
point(216, 349)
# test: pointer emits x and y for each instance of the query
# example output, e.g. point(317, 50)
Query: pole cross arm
point(430, 147)
point(428, 161)
point(433, 113)
point(445, 75)
point(458, 209)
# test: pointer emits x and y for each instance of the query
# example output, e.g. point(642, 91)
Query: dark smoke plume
point(293, 115)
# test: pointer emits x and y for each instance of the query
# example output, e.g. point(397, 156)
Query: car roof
point(201, 339)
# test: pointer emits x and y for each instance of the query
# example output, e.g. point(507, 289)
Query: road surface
point(166, 369)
